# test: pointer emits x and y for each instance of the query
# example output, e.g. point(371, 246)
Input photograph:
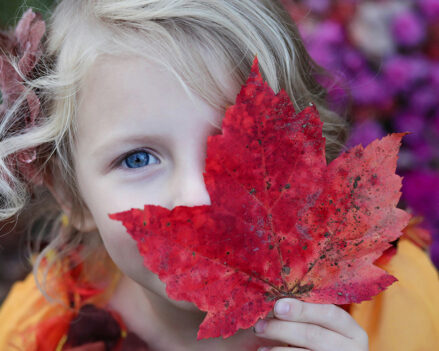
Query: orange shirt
point(404, 317)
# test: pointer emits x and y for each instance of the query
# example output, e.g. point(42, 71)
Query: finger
point(325, 315)
point(305, 335)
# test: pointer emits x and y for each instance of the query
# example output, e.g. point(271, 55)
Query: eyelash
point(120, 163)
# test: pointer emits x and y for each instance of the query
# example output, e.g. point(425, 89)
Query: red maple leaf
point(282, 223)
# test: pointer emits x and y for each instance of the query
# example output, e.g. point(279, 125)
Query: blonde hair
point(186, 36)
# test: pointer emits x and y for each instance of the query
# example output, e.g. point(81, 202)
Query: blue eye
point(139, 159)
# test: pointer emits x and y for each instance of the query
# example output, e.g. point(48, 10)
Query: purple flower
point(327, 32)
point(337, 88)
point(435, 123)
point(434, 251)
point(323, 55)
point(364, 133)
point(368, 89)
point(423, 152)
point(420, 191)
point(408, 29)
point(397, 73)
point(402, 72)
point(430, 9)
point(424, 99)
point(419, 68)
point(434, 74)
point(409, 122)
point(353, 60)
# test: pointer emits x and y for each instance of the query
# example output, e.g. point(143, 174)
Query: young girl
point(128, 93)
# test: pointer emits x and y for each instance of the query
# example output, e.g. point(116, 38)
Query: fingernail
point(260, 326)
point(263, 348)
point(281, 307)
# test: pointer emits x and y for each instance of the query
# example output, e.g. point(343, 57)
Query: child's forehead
point(117, 71)
point(129, 91)
point(123, 82)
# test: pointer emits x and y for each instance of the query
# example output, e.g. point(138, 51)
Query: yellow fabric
point(404, 317)
point(23, 308)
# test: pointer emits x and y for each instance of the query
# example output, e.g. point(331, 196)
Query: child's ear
point(58, 190)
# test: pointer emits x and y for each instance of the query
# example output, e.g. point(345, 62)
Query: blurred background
point(384, 57)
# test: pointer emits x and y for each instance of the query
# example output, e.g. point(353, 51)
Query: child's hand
point(311, 326)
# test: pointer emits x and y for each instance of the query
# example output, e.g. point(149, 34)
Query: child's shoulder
point(405, 316)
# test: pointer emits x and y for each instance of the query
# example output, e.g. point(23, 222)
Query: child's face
point(141, 140)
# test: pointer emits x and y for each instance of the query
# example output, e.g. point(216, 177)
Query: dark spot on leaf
point(268, 184)
point(193, 253)
point(168, 224)
point(304, 289)
point(252, 191)
point(270, 297)
point(322, 257)
point(227, 253)
point(286, 269)
point(359, 153)
point(270, 247)
point(144, 223)
point(340, 293)
point(331, 202)
point(287, 186)
point(356, 181)
point(304, 247)
point(356, 244)
point(326, 234)
point(259, 141)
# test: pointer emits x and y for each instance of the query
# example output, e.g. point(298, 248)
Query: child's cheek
point(125, 254)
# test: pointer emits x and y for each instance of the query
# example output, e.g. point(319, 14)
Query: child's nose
point(189, 189)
